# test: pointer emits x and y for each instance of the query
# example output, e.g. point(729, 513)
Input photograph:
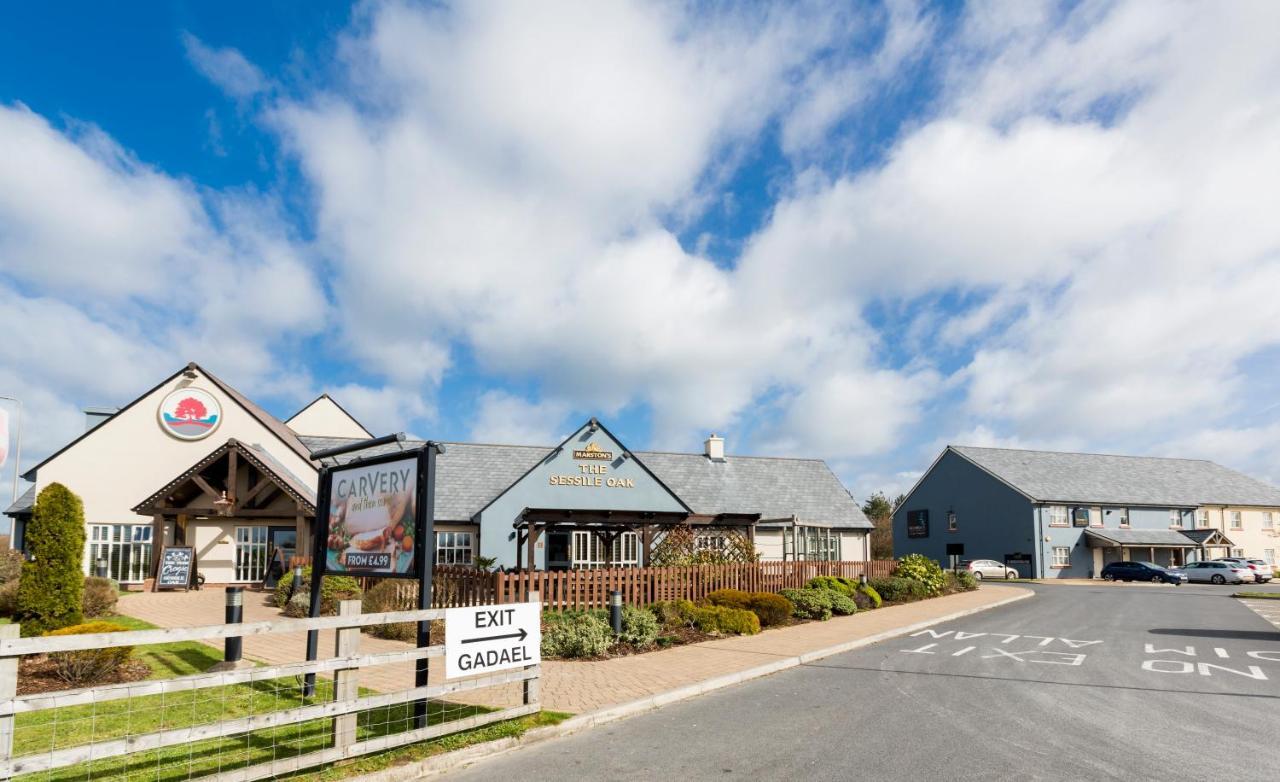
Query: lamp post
point(17, 450)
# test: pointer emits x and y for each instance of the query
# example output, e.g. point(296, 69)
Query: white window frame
point(113, 542)
point(1124, 517)
point(1237, 552)
point(455, 548)
point(821, 544)
point(1268, 520)
point(953, 523)
point(1059, 515)
point(1175, 518)
point(1269, 556)
point(1061, 561)
point(250, 553)
point(1237, 520)
point(1202, 519)
point(586, 552)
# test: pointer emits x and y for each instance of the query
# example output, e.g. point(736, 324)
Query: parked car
point(1142, 571)
point(1218, 572)
point(988, 568)
point(1262, 572)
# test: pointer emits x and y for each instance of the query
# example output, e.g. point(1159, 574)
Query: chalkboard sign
point(175, 567)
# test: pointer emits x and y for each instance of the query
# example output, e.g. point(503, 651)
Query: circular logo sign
point(190, 414)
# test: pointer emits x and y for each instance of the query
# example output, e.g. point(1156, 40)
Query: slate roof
point(469, 475)
point(1047, 476)
point(1201, 535)
point(1141, 537)
point(23, 504)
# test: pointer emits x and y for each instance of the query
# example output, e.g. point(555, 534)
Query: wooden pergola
point(234, 481)
point(609, 525)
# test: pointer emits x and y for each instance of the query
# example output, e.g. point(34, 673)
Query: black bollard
point(233, 646)
point(615, 611)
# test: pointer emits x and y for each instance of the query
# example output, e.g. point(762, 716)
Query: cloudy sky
point(858, 235)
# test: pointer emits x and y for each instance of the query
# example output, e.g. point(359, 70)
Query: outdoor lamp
point(223, 505)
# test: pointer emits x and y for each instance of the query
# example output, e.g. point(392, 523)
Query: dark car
point(1142, 571)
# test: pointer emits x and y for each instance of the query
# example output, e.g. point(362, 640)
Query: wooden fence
point(343, 715)
point(561, 589)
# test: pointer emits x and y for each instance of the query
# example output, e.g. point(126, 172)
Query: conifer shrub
point(725, 621)
point(769, 608)
point(900, 590)
point(810, 603)
point(88, 666)
point(52, 584)
point(842, 604)
point(867, 597)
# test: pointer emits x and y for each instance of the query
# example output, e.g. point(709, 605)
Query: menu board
point(175, 567)
point(372, 520)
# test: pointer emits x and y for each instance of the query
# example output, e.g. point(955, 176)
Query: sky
point(858, 232)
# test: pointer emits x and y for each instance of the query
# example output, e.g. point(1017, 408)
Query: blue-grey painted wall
point(536, 490)
point(992, 519)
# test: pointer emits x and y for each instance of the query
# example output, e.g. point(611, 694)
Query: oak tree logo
point(190, 414)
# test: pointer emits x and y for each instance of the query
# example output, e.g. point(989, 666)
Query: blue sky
point(855, 234)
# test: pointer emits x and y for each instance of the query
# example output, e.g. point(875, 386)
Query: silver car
point(989, 568)
point(1216, 572)
point(1262, 572)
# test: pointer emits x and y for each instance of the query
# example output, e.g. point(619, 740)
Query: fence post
point(532, 687)
point(8, 689)
point(345, 685)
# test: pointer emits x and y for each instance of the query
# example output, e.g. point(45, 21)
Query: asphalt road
point(1108, 682)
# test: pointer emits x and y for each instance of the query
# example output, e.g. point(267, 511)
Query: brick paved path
point(576, 687)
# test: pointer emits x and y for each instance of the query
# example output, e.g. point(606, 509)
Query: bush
point(299, 606)
point(9, 598)
point(965, 582)
point(842, 604)
point(842, 586)
point(674, 613)
point(100, 597)
point(810, 603)
point(918, 567)
point(899, 590)
point(88, 666)
point(639, 627)
point(52, 584)
point(570, 634)
point(726, 621)
point(10, 565)
point(769, 608)
point(867, 597)
point(333, 590)
point(382, 597)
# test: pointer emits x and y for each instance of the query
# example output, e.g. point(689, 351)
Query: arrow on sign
point(523, 634)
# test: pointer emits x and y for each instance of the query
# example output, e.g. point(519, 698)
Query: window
point(453, 548)
point(251, 553)
point(1124, 517)
point(1080, 517)
point(588, 550)
point(1175, 518)
point(125, 548)
point(1237, 552)
point(1236, 521)
point(1269, 555)
point(1057, 515)
point(823, 544)
point(952, 525)
point(918, 523)
point(1202, 519)
point(1268, 520)
point(1062, 556)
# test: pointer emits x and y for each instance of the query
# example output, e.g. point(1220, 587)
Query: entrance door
point(558, 551)
point(282, 544)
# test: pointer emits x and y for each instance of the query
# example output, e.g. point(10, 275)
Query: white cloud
point(226, 68)
point(501, 417)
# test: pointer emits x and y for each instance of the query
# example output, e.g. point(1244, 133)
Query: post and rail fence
point(204, 729)
point(454, 586)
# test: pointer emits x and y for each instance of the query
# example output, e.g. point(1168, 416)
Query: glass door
point(251, 554)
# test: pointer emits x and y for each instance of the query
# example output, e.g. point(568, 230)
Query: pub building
point(193, 462)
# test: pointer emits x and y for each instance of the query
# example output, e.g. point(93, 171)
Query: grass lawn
point(43, 731)
point(1259, 595)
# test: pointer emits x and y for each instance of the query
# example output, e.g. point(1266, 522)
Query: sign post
point(484, 639)
point(175, 567)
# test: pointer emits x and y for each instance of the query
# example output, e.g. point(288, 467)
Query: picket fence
point(590, 588)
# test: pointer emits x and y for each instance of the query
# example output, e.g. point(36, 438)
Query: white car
point(1218, 572)
point(1249, 566)
point(989, 568)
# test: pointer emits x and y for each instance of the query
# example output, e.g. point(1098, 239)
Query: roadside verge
point(447, 761)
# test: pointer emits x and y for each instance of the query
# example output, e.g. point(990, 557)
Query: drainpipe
point(1037, 566)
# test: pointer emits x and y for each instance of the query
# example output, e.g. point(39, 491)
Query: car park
point(988, 568)
point(1218, 572)
point(1143, 571)
point(1262, 572)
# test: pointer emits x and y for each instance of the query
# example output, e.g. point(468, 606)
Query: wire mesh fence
point(242, 724)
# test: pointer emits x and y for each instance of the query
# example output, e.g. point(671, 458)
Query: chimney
point(96, 415)
point(714, 448)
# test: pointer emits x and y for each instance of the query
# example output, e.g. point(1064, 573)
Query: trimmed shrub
point(88, 666)
point(332, 590)
point(900, 590)
point(841, 585)
point(100, 597)
point(727, 621)
point(382, 597)
point(810, 603)
point(639, 627)
point(771, 609)
point(9, 598)
point(842, 604)
point(867, 594)
point(674, 613)
point(918, 567)
point(729, 598)
point(965, 581)
point(52, 584)
point(299, 606)
point(570, 634)
point(10, 565)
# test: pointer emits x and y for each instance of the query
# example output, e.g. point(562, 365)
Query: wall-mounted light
point(223, 506)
